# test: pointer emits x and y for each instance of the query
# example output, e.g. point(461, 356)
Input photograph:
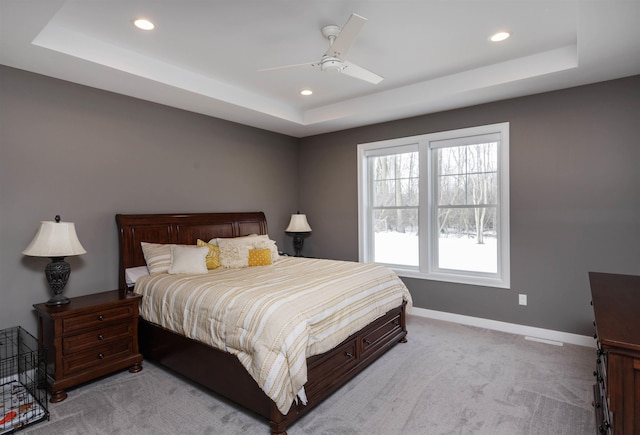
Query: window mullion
point(425, 217)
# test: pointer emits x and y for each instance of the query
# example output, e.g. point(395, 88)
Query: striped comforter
point(273, 317)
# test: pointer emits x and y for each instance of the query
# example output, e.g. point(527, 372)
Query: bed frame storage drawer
point(323, 370)
point(376, 338)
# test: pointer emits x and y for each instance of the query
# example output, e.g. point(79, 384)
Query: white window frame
point(428, 242)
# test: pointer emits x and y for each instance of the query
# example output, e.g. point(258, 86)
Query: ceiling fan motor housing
point(331, 64)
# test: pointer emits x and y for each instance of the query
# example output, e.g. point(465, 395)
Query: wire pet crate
point(23, 381)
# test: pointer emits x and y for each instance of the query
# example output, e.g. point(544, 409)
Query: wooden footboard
point(222, 373)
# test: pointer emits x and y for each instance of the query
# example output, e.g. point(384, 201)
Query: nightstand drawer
point(96, 318)
point(97, 337)
point(97, 356)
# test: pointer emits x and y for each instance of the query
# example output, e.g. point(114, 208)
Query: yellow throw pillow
point(213, 257)
point(259, 257)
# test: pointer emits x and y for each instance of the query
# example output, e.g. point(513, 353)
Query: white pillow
point(132, 274)
point(188, 259)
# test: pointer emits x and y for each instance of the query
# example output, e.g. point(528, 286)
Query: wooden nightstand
point(92, 336)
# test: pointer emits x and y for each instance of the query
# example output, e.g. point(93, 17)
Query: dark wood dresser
point(92, 336)
point(616, 305)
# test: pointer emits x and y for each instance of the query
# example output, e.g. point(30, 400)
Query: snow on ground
point(455, 252)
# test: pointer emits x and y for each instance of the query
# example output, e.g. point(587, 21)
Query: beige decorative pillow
point(234, 253)
point(157, 256)
point(213, 257)
point(188, 259)
point(215, 240)
point(266, 243)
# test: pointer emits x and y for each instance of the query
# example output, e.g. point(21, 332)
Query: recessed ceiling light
point(144, 24)
point(500, 36)
point(306, 92)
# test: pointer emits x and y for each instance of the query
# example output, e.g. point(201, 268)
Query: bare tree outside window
point(467, 201)
point(395, 207)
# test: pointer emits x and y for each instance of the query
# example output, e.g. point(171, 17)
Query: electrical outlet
point(522, 299)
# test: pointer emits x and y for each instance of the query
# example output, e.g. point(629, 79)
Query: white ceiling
point(203, 56)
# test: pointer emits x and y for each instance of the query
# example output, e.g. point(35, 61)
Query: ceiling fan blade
point(353, 70)
point(347, 36)
point(298, 65)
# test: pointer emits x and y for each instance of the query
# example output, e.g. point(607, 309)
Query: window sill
point(448, 277)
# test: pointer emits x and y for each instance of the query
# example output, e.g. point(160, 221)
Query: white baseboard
point(530, 332)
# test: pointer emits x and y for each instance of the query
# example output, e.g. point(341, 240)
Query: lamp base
point(57, 300)
point(298, 241)
point(57, 273)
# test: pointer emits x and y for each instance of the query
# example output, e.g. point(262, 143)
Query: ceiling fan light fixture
point(144, 24)
point(499, 36)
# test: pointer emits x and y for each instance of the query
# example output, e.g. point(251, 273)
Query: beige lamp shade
point(55, 239)
point(298, 224)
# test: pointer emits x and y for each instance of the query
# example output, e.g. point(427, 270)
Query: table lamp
point(56, 240)
point(299, 227)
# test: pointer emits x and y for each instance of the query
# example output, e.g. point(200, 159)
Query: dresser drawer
point(97, 337)
point(96, 318)
point(375, 338)
point(100, 355)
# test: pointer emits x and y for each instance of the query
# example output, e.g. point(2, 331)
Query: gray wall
point(87, 154)
point(575, 200)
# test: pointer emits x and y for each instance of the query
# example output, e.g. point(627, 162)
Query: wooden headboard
point(181, 229)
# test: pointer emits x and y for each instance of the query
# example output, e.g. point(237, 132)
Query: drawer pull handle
point(100, 356)
point(366, 342)
point(100, 317)
point(349, 354)
point(396, 322)
point(101, 337)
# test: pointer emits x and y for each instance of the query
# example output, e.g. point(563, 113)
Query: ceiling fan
point(340, 41)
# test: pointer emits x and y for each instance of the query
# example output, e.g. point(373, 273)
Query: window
point(436, 206)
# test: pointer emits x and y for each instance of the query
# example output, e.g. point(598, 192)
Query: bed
point(325, 372)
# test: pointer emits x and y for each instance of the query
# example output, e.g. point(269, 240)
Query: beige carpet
point(448, 379)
